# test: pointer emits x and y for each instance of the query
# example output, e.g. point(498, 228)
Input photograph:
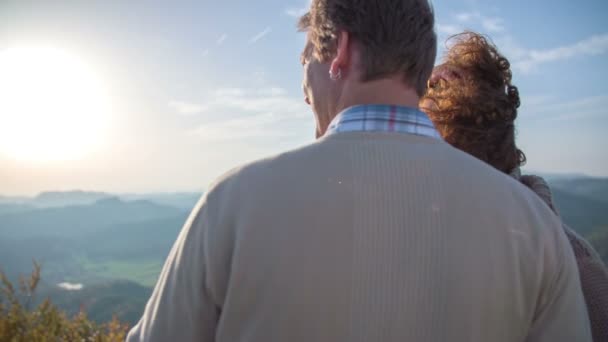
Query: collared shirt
point(383, 118)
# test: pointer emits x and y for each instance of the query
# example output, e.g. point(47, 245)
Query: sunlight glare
point(52, 105)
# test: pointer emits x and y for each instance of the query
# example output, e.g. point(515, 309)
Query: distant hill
point(593, 188)
point(181, 200)
point(74, 221)
point(584, 214)
point(57, 256)
point(101, 301)
point(12, 199)
point(75, 242)
point(49, 199)
point(9, 208)
point(146, 239)
point(115, 244)
point(583, 205)
point(551, 177)
point(54, 199)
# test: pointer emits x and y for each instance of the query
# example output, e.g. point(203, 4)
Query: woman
point(473, 104)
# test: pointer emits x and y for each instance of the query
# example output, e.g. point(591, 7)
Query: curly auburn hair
point(395, 36)
point(473, 104)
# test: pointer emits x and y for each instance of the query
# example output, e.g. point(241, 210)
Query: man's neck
point(384, 91)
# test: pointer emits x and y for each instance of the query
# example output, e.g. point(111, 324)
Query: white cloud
point(236, 92)
point(256, 126)
point(493, 24)
point(205, 53)
point(296, 12)
point(267, 99)
point(251, 113)
point(546, 107)
point(221, 39)
point(489, 24)
point(466, 17)
point(187, 108)
point(260, 35)
point(448, 30)
point(510, 47)
point(272, 91)
point(522, 59)
point(259, 77)
point(70, 286)
point(592, 46)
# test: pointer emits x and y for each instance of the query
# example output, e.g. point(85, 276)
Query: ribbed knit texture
point(592, 271)
point(368, 237)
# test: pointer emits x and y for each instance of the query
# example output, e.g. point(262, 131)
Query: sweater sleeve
point(592, 271)
point(594, 281)
point(181, 308)
point(561, 313)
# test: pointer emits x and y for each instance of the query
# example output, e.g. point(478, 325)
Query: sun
point(53, 107)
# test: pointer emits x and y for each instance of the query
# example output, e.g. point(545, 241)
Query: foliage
point(18, 322)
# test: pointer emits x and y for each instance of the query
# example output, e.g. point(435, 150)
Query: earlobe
point(334, 76)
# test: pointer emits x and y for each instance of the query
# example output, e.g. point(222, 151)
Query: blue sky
point(200, 87)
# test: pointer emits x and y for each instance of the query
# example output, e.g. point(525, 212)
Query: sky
point(197, 88)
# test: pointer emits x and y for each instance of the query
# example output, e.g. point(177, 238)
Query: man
point(379, 231)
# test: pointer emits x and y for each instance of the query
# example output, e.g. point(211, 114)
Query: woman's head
point(473, 104)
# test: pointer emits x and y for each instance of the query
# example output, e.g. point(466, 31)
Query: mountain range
point(114, 245)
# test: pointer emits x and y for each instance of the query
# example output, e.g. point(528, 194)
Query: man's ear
point(339, 64)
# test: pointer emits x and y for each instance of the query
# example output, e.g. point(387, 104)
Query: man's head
point(353, 44)
point(473, 104)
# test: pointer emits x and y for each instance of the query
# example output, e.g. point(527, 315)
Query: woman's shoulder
point(581, 247)
point(540, 187)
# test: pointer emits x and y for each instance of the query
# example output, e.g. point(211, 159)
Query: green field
point(144, 272)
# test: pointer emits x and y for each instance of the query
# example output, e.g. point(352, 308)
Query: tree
point(45, 322)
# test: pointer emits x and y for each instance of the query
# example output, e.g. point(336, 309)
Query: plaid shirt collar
point(383, 118)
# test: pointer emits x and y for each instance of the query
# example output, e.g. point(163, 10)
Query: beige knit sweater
point(368, 237)
point(592, 271)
